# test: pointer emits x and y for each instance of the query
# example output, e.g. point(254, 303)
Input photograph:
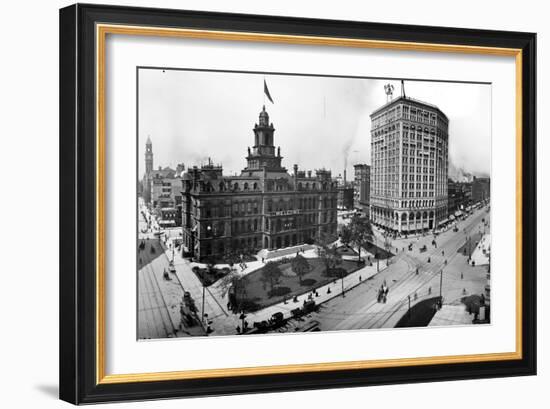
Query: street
point(360, 309)
point(411, 276)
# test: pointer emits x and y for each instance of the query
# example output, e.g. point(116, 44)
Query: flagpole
point(264, 92)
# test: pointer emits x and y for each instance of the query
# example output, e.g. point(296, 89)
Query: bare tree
point(271, 273)
point(300, 266)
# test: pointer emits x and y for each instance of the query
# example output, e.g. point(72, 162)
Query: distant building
point(409, 166)
point(459, 198)
point(263, 207)
point(168, 216)
point(481, 189)
point(361, 184)
point(345, 197)
point(146, 181)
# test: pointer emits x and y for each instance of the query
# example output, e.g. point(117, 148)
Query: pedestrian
point(429, 290)
point(360, 279)
point(238, 329)
point(328, 290)
point(461, 276)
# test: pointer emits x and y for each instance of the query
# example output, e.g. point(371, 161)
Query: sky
point(319, 122)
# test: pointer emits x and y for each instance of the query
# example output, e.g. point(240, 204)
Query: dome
point(264, 117)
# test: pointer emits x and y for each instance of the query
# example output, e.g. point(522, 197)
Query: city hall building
point(263, 207)
point(409, 166)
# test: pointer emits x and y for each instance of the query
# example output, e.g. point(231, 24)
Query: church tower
point(148, 156)
point(262, 155)
point(147, 178)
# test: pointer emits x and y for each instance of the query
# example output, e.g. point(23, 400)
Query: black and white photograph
point(280, 203)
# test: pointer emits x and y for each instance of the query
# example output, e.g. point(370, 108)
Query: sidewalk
point(480, 256)
point(451, 315)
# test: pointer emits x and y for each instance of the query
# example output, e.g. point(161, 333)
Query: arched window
point(235, 186)
point(245, 186)
point(221, 186)
point(255, 186)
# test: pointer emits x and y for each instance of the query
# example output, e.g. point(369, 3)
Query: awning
point(458, 213)
point(451, 217)
point(443, 221)
point(170, 222)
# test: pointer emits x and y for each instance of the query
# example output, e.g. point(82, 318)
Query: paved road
point(360, 309)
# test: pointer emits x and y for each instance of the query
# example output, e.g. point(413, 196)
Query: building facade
point(263, 207)
point(481, 189)
point(460, 196)
point(409, 166)
point(361, 185)
point(345, 197)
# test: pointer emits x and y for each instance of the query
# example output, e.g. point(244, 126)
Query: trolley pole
point(441, 287)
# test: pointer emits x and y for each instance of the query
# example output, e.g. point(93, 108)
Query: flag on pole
point(266, 92)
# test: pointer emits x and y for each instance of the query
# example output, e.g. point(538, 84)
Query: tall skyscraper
point(409, 159)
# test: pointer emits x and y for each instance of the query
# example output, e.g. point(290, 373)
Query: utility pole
point(202, 315)
point(441, 287)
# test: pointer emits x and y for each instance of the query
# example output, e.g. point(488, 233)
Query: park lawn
point(146, 255)
point(257, 291)
point(475, 238)
point(420, 315)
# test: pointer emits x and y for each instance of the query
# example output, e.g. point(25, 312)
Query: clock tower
point(263, 155)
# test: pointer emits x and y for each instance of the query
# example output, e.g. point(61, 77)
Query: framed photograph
point(257, 203)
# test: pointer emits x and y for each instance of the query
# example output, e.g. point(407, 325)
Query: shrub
point(336, 272)
point(278, 292)
point(308, 282)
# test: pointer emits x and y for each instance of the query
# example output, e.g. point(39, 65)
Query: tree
point(234, 284)
point(271, 273)
point(300, 266)
point(346, 235)
point(330, 256)
point(361, 232)
point(328, 252)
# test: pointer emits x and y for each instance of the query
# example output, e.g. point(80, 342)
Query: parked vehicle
point(277, 318)
point(309, 306)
